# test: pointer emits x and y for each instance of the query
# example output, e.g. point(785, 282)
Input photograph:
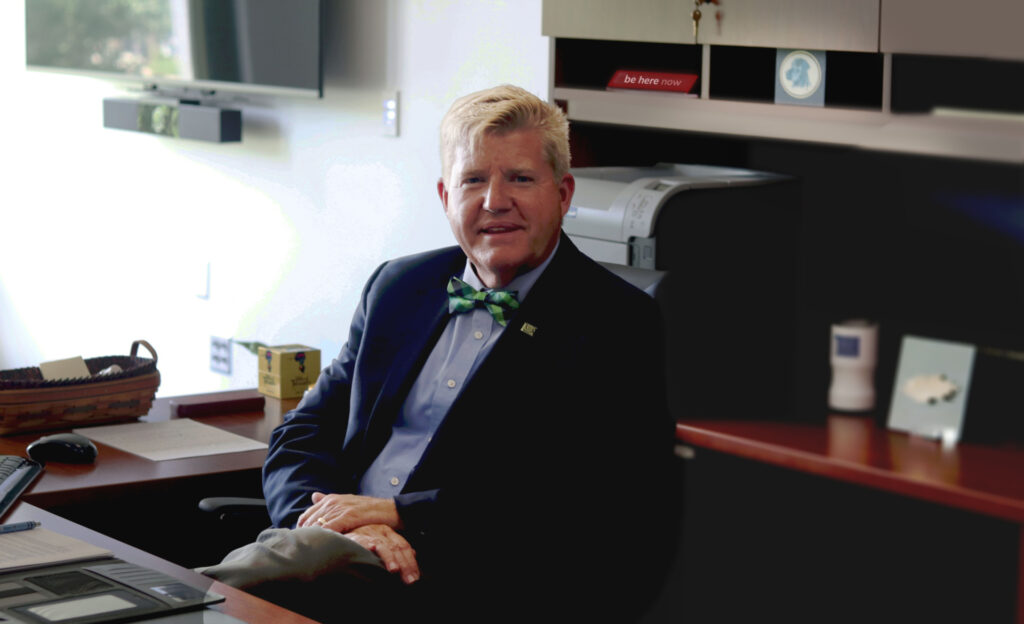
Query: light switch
point(389, 112)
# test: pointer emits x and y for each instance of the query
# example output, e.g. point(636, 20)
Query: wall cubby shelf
point(961, 136)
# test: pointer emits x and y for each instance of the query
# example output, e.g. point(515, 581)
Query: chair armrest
point(230, 505)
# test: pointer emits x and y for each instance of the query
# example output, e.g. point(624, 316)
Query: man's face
point(504, 204)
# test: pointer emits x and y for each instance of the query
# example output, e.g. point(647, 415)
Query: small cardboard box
point(286, 371)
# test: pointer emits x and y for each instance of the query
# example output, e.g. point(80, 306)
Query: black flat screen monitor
point(210, 46)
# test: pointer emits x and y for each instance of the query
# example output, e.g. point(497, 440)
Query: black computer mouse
point(64, 448)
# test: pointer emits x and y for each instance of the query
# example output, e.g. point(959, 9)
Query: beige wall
point(105, 235)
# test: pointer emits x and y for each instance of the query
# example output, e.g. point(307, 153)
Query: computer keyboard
point(16, 474)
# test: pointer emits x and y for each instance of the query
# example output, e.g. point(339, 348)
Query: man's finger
point(308, 517)
point(398, 557)
point(314, 512)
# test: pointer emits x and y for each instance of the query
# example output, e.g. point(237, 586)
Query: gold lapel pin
point(528, 329)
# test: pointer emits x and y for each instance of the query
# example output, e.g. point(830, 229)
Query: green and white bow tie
point(462, 298)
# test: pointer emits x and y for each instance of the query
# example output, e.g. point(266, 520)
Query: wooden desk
point(237, 603)
point(979, 479)
point(92, 494)
point(117, 473)
point(119, 488)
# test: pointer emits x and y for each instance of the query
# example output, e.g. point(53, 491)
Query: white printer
point(615, 210)
point(723, 248)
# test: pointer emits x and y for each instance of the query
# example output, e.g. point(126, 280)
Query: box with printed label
point(286, 371)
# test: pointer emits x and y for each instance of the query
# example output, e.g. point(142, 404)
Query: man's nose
point(498, 197)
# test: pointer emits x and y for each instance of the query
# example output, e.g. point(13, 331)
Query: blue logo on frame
point(800, 77)
point(847, 346)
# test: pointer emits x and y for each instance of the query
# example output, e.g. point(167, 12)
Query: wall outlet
point(220, 355)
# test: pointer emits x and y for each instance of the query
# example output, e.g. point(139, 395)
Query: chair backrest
point(647, 280)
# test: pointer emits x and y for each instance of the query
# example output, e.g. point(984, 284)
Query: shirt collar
point(521, 284)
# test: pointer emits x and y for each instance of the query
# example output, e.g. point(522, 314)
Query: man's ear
point(442, 192)
point(566, 188)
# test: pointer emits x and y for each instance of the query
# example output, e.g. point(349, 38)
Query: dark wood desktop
point(139, 505)
point(117, 473)
point(985, 481)
point(94, 495)
point(981, 479)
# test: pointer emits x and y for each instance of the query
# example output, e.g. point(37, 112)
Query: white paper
point(38, 546)
point(170, 439)
point(69, 368)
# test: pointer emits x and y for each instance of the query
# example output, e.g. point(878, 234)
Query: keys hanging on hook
point(696, 15)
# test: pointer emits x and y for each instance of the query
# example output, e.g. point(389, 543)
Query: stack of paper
point(37, 547)
point(170, 439)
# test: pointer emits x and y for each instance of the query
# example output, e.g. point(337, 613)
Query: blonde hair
point(502, 109)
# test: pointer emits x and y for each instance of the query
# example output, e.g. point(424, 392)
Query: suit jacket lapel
point(543, 306)
point(417, 330)
point(544, 309)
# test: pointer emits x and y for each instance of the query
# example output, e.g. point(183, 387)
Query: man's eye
point(472, 180)
point(522, 178)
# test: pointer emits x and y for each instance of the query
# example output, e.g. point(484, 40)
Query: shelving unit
point(735, 65)
point(979, 138)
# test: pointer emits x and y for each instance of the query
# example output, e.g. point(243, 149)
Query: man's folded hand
point(396, 553)
point(346, 512)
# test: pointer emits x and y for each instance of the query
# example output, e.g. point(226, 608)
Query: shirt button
point(451, 383)
point(478, 334)
point(394, 480)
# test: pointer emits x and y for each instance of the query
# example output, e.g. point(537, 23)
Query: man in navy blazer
point(491, 457)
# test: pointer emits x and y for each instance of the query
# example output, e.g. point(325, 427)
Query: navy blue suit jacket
point(560, 441)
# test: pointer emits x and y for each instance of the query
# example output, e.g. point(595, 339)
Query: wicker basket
point(30, 403)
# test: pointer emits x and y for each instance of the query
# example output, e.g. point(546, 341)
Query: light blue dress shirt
point(464, 344)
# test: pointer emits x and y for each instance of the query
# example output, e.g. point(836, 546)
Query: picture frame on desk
point(929, 397)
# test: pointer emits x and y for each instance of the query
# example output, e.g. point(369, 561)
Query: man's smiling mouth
point(499, 229)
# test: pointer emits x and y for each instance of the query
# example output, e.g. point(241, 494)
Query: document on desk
point(39, 546)
point(170, 439)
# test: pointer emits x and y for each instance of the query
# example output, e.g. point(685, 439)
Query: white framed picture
point(930, 394)
point(800, 77)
